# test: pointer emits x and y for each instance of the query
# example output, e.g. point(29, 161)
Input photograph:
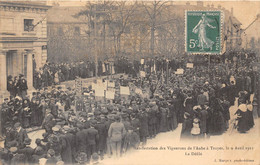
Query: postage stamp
point(203, 32)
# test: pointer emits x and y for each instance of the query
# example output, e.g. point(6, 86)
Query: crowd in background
point(80, 129)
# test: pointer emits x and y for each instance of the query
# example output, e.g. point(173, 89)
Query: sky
point(244, 11)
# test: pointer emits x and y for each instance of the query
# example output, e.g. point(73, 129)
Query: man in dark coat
point(4, 116)
point(51, 159)
point(20, 136)
point(102, 133)
point(10, 85)
point(48, 121)
point(27, 151)
point(10, 140)
point(232, 93)
point(135, 123)
point(66, 141)
point(72, 140)
point(17, 158)
point(53, 108)
point(81, 139)
point(143, 118)
point(201, 99)
point(93, 138)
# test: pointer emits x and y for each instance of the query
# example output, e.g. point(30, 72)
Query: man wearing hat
point(54, 141)
point(5, 156)
point(48, 121)
point(152, 118)
point(116, 133)
point(39, 152)
point(102, 133)
point(66, 141)
point(10, 140)
point(132, 140)
point(81, 139)
point(143, 130)
point(135, 123)
point(21, 135)
point(4, 115)
point(17, 158)
point(51, 159)
point(93, 138)
point(27, 151)
point(54, 108)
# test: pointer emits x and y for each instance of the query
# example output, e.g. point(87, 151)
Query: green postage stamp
point(203, 32)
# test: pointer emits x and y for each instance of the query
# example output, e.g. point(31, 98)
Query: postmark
point(203, 32)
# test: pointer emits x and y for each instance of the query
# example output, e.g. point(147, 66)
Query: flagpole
point(208, 62)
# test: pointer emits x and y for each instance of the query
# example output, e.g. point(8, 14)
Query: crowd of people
point(84, 128)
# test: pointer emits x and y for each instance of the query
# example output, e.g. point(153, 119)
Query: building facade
point(23, 40)
point(68, 37)
point(251, 36)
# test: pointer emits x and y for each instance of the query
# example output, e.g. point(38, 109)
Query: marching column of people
point(84, 130)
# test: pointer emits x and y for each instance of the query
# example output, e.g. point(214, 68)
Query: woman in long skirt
point(250, 116)
point(26, 113)
point(186, 127)
point(242, 124)
point(33, 107)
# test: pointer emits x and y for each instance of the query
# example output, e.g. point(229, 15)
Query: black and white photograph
point(117, 82)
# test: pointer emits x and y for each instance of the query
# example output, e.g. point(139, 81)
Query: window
point(77, 30)
point(28, 25)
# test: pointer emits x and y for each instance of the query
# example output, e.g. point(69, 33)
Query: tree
point(153, 10)
point(120, 21)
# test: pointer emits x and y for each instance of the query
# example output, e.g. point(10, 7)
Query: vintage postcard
point(114, 82)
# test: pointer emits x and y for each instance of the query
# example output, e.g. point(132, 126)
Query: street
point(167, 147)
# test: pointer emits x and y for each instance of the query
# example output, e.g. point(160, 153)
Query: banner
point(110, 95)
point(111, 84)
point(94, 86)
point(124, 90)
point(189, 65)
point(99, 81)
point(179, 71)
point(138, 91)
point(111, 90)
point(99, 92)
point(142, 73)
point(98, 86)
point(142, 61)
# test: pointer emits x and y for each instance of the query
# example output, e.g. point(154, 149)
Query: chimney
point(232, 10)
point(200, 3)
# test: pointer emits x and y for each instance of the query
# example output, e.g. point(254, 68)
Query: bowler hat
point(51, 152)
point(27, 141)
